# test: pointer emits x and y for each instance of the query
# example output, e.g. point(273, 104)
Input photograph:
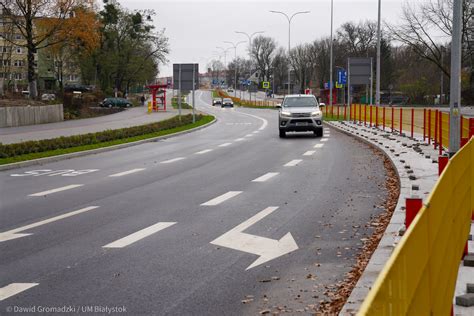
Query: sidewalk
point(130, 117)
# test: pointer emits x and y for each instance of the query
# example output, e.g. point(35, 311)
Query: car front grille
point(301, 114)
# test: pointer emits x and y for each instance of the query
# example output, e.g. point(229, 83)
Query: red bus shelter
point(158, 93)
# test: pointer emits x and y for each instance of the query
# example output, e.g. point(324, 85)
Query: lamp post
point(289, 38)
point(235, 63)
point(250, 52)
point(377, 79)
point(331, 59)
point(224, 50)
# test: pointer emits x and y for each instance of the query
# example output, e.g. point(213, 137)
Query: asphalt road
point(228, 220)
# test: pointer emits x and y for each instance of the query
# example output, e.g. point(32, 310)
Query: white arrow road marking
point(13, 234)
point(14, 288)
point(293, 163)
point(130, 239)
point(225, 144)
point(127, 172)
point(309, 153)
point(266, 177)
point(268, 249)
point(67, 187)
point(224, 197)
point(173, 160)
point(318, 145)
point(203, 151)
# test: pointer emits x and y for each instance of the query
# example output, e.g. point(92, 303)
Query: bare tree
point(262, 51)
point(279, 68)
point(27, 17)
point(359, 38)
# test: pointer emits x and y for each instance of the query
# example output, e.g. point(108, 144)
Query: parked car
point(115, 102)
point(227, 102)
point(230, 90)
point(76, 87)
point(48, 97)
point(216, 101)
point(300, 112)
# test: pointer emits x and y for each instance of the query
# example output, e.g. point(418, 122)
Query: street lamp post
point(225, 59)
point(377, 79)
point(330, 62)
point(250, 52)
point(235, 63)
point(289, 39)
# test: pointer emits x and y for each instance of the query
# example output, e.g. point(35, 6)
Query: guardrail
point(433, 124)
point(420, 276)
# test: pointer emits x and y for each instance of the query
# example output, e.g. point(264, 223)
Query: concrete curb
point(400, 157)
point(40, 161)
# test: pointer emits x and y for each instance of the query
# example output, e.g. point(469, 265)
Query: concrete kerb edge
point(40, 161)
point(373, 269)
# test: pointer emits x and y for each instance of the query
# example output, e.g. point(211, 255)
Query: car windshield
point(227, 100)
point(300, 102)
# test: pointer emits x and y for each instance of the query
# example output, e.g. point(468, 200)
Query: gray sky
point(196, 27)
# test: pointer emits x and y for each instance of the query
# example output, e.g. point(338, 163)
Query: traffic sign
point(341, 77)
point(266, 85)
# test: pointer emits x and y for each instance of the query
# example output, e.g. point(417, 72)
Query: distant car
point(216, 101)
point(76, 87)
point(115, 102)
point(227, 102)
point(48, 97)
point(230, 90)
point(300, 113)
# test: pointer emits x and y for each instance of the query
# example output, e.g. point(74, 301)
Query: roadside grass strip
point(10, 153)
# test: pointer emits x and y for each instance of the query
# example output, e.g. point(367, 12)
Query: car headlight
point(286, 113)
point(316, 113)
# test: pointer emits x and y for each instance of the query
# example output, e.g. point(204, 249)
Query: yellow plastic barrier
point(420, 276)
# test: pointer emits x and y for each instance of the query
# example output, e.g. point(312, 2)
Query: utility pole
point(377, 84)
point(331, 59)
point(455, 85)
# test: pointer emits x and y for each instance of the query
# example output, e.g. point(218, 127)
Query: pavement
point(227, 220)
point(418, 176)
point(127, 118)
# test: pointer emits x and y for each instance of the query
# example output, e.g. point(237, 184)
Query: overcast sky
point(196, 27)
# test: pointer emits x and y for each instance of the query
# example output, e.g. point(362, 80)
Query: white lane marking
point(266, 177)
point(130, 239)
point(127, 172)
point(67, 187)
point(318, 145)
point(309, 153)
point(255, 132)
point(268, 249)
point(13, 234)
point(249, 135)
point(293, 163)
point(239, 139)
point(173, 160)
point(203, 151)
point(222, 198)
point(324, 139)
point(265, 122)
point(225, 144)
point(14, 288)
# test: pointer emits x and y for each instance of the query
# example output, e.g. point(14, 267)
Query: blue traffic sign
point(342, 76)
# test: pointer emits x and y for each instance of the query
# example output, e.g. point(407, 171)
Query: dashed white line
point(225, 144)
point(173, 160)
point(249, 135)
point(120, 174)
point(266, 177)
point(255, 132)
point(222, 198)
point(324, 139)
point(318, 145)
point(309, 153)
point(67, 187)
point(293, 163)
point(239, 139)
point(13, 234)
point(14, 288)
point(132, 238)
point(203, 151)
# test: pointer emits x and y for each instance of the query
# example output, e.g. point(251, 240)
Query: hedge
point(28, 147)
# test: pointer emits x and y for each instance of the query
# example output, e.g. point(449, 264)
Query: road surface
point(228, 220)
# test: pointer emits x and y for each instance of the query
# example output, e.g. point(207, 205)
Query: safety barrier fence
point(433, 124)
point(420, 275)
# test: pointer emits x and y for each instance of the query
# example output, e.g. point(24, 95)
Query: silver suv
point(300, 113)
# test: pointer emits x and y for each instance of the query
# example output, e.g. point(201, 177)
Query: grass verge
point(201, 120)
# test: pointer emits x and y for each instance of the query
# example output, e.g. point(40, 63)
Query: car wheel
point(109, 105)
point(128, 105)
point(282, 134)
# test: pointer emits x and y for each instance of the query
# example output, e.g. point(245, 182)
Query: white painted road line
point(239, 139)
point(249, 135)
point(309, 153)
point(318, 145)
point(126, 172)
point(203, 151)
point(255, 132)
point(222, 198)
point(13, 234)
point(324, 139)
point(173, 160)
point(14, 288)
point(130, 239)
point(67, 187)
point(293, 163)
point(266, 177)
point(225, 144)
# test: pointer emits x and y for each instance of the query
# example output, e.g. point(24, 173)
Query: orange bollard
point(412, 121)
point(429, 126)
point(401, 121)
